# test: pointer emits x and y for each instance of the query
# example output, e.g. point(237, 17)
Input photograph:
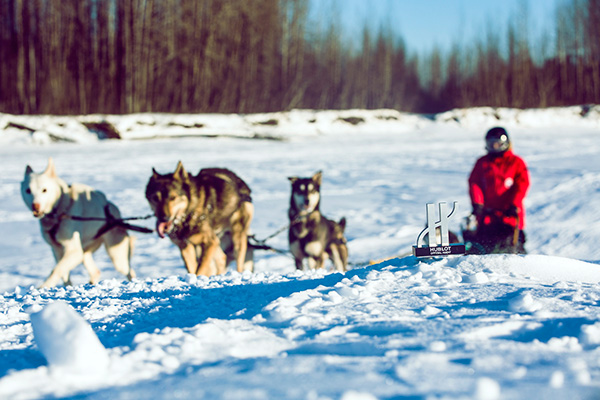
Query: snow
point(472, 327)
point(66, 340)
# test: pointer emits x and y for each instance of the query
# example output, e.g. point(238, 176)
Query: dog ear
point(293, 179)
point(154, 173)
point(318, 177)
point(28, 170)
point(180, 172)
point(50, 169)
point(342, 223)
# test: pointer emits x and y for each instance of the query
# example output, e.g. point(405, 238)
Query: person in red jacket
point(497, 187)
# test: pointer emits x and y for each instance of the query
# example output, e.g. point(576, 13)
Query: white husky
point(73, 240)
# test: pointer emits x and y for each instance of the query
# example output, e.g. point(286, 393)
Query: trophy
point(436, 235)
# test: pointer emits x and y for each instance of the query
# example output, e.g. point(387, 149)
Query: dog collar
point(51, 221)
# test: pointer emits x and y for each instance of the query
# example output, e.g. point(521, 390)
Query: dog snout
point(36, 209)
point(161, 217)
point(302, 198)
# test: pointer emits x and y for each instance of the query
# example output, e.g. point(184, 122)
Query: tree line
point(192, 56)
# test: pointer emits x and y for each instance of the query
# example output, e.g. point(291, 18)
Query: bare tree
point(118, 56)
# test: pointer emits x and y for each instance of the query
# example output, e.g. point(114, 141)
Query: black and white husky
point(311, 235)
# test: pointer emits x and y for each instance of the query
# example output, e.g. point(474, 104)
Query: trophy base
point(437, 251)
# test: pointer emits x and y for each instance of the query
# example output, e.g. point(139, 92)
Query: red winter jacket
point(499, 182)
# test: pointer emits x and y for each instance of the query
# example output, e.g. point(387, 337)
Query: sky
point(424, 24)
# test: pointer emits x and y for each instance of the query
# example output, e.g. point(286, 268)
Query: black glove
point(513, 211)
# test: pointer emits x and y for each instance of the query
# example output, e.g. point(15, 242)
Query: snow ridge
point(46, 129)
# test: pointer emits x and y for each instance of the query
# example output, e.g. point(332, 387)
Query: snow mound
point(66, 340)
point(46, 129)
point(586, 116)
point(540, 268)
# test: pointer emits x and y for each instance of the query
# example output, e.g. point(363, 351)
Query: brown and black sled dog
point(311, 235)
point(201, 214)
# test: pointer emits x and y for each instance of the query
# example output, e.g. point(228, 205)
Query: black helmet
point(496, 140)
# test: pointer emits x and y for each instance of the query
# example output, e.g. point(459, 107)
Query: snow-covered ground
point(483, 327)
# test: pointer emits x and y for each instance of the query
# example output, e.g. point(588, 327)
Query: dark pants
point(494, 239)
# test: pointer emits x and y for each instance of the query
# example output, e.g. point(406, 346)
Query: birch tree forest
point(243, 56)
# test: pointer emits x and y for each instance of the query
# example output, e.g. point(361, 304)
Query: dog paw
point(131, 275)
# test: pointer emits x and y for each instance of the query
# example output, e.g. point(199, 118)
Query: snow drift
point(278, 125)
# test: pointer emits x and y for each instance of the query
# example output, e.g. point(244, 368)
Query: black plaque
point(439, 251)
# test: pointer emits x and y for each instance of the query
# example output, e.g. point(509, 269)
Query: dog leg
point(343, 252)
point(208, 253)
point(249, 262)
point(316, 254)
point(336, 258)
point(321, 261)
point(241, 249)
point(58, 253)
point(91, 267)
point(297, 253)
point(219, 261)
point(190, 258)
point(132, 240)
point(88, 261)
point(118, 247)
point(72, 257)
point(240, 235)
